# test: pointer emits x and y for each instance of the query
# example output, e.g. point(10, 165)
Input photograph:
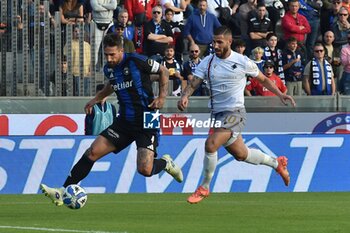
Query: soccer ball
point(74, 197)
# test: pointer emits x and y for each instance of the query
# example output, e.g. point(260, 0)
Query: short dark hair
point(271, 34)
point(170, 46)
point(292, 39)
point(113, 39)
point(239, 43)
point(168, 10)
point(319, 44)
point(223, 30)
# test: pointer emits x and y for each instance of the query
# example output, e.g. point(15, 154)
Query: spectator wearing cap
point(259, 89)
point(293, 61)
point(127, 44)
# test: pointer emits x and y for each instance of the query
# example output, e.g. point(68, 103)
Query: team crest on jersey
point(150, 62)
point(234, 66)
point(126, 71)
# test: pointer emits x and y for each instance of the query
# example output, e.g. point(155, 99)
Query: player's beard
point(111, 65)
point(222, 52)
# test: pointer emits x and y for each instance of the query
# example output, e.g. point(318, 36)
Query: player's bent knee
point(145, 171)
point(210, 146)
point(240, 155)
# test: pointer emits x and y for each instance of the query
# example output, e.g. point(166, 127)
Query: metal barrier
point(31, 53)
point(61, 105)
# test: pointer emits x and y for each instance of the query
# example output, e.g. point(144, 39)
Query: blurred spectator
point(177, 29)
point(244, 10)
point(128, 44)
point(257, 54)
point(333, 56)
point(311, 10)
point(239, 46)
point(346, 4)
point(276, 10)
point(2, 28)
point(318, 74)
point(157, 36)
point(174, 70)
point(225, 11)
point(87, 16)
point(76, 64)
point(188, 69)
point(140, 12)
point(341, 28)
point(177, 6)
point(101, 116)
point(345, 60)
point(71, 12)
point(200, 27)
point(259, 89)
point(330, 16)
point(64, 71)
point(293, 67)
point(259, 26)
point(129, 29)
point(102, 18)
point(295, 24)
point(271, 52)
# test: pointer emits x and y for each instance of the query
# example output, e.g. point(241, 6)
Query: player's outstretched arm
point(158, 102)
point(100, 95)
point(193, 85)
point(266, 82)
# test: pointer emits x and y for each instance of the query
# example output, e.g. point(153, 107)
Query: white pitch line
point(54, 229)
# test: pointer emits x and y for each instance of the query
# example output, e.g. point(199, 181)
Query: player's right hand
point(89, 105)
point(182, 103)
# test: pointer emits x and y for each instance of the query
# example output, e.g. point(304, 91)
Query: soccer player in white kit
point(225, 71)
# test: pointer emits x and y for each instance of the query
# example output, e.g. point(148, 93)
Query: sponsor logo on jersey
point(122, 85)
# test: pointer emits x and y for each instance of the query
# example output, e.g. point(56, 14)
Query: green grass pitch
point(170, 213)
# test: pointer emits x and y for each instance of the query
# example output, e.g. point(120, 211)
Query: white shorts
point(233, 120)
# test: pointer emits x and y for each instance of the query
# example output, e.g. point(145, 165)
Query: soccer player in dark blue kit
point(129, 77)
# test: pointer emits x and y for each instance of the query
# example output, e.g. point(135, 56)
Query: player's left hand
point(157, 103)
point(285, 98)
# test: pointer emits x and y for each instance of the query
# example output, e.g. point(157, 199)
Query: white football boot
point(55, 194)
point(172, 168)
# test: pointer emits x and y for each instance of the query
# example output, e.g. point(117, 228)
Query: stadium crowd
point(303, 46)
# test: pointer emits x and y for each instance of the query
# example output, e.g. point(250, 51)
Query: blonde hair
point(257, 50)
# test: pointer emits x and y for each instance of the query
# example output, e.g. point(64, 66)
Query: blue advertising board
point(316, 163)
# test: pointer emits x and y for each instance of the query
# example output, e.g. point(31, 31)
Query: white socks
point(256, 157)
point(209, 165)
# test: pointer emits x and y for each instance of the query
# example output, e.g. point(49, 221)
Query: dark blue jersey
point(131, 82)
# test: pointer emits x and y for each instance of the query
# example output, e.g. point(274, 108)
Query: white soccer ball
point(74, 197)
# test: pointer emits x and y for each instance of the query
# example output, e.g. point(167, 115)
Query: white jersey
point(227, 79)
